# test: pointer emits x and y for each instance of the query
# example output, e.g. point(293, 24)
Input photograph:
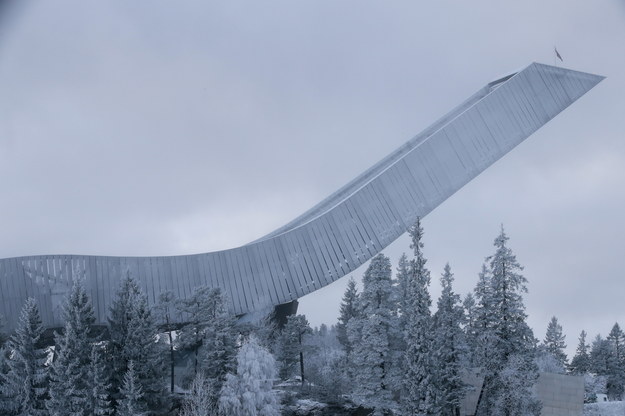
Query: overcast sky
point(160, 127)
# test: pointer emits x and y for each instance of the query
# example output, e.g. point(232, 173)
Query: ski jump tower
point(337, 235)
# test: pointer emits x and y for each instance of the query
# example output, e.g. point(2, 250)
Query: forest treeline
point(388, 352)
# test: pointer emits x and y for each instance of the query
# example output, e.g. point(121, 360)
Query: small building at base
point(560, 394)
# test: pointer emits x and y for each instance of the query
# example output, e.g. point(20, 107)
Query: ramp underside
point(334, 237)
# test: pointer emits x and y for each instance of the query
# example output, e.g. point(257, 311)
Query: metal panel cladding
point(337, 235)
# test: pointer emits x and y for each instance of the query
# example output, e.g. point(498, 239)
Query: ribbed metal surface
point(334, 237)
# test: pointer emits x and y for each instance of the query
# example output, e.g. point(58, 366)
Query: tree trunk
point(171, 357)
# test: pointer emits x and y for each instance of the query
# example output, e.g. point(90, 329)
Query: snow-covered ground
point(605, 409)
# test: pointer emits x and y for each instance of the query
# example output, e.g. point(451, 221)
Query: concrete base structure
point(560, 394)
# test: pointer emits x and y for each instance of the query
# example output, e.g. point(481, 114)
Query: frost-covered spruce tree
point(616, 338)
point(249, 392)
point(401, 288)
point(26, 382)
point(512, 346)
point(292, 346)
point(119, 319)
point(419, 394)
point(580, 364)
point(325, 368)
point(616, 376)
point(133, 338)
point(98, 397)
point(480, 331)
point(198, 314)
point(147, 354)
point(600, 359)
point(449, 347)
point(69, 390)
point(371, 335)
point(218, 358)
point(131, 403)
point(348, 310)
point(554, 342)
point(5, 402)
point(468, 306)
point(515, 399)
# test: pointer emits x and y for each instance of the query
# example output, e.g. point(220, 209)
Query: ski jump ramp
point(337, 235)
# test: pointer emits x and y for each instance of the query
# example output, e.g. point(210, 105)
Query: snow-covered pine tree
point(512, 347)
point(419, 393)
point(132, 402)
point(147, 355)
point(197, 314)
point(267, 331)
point(616, 376)
point(219, 352)
point(616, 338)
point(401, 288)
point(25, 383)
point(516, 399)
point(580, 364)
point(200, 400)
point(119, 319)
point(325, 368)
point(554, 341)
point(371, 335)
point(480, 334)
point(98, 401)
point(292, 346)
point(68, 388)
point(133, 336)
point(348, 310)
point(600, 356)
point(249, 392)
point(449, 347)
point(468, 305)
point(5, 402)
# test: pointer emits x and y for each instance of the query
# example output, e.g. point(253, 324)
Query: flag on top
point(558, 54)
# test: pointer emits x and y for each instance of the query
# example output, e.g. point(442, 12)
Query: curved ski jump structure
point(334, 237)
